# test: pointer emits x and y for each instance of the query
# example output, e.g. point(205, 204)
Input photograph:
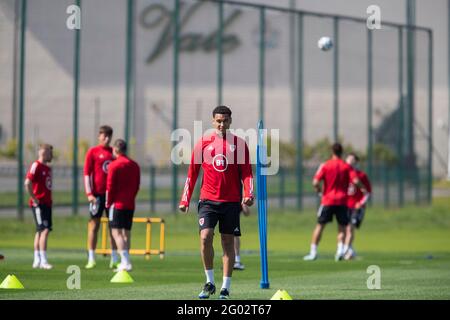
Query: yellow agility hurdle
point(148, 251)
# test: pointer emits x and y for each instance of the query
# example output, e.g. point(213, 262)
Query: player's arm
point(193, 171)
point(29, 187)
point(358, 184)
point(366, 190)
point(247, 179)
point(138, 179)
point(87, 173)
point(317, 178)
point(111, 186)
point(29, 183)
point(316, 185)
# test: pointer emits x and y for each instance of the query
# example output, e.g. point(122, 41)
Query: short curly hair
point(221, 110)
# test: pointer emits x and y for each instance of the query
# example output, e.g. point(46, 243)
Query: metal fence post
point(20, 176)
point(152, 188)
point(129, 71)
point(293, 66)
point(401, 130)
point(282, 193)
point(448, 81)
point(369, 103)
point(76, 95)
point(430, 117)
point(410, 80)
point(336, 80)
point(220, 56)
point(385, 174)
point(176, 42)
point(299, 128)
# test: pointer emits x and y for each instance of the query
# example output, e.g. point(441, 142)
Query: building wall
point(102, 93)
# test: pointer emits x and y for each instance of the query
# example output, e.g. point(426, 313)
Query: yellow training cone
point(11, 282)
point(281, 295)
point(122, 277)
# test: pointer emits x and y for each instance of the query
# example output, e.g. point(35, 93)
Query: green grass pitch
point(410, 245)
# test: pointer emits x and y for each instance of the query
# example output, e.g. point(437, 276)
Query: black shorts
point(42, 215)
point(120, 219)
point(325, 214)
point(237, 233)
point(96, 210)
point(356, 216)
point(226, 213)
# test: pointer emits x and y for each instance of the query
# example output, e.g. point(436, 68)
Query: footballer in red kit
point(122, 186)
point(356, 203)
point(335, 176)
point(38, 183)
point(98, 160)
point(225, 161)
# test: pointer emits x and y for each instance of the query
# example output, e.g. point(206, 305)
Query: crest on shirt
point(351, 189)
point(232, 147)
point(220, 162)
point(201, 221)
point(101, 156)
point(105, 166)
point(48, 182)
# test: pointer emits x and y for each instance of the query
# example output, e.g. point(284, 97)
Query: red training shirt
point(40, 176)
point(96, 169)
point(336, 175)
point(354, 193)
point(122, 183)
point(225, 162)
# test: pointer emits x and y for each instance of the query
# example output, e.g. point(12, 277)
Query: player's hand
point(245, 210)
point(184, 208)
point(35, 202)
point(247, 201)
point(91, 199)
point(358, 205)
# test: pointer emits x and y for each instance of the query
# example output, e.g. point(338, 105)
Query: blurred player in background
point(356, 203)
point(336, 176)
point(95, 172)
point(122, 186)
point(38, 183)
point(237, 242)
point(225, 161)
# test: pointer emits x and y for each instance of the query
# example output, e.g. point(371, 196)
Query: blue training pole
point(261, 161)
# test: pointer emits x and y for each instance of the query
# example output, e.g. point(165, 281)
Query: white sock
point(345, 248)
point(340, 248)
point(114, 256)
point(209, 275)
point(91, 254)
point(313, 249)
point(125, 257)
point(226, 283)
point(43, 255)
point(237, 259)
point(36, 256)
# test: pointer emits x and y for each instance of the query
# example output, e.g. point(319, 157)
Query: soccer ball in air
point(325, 43)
